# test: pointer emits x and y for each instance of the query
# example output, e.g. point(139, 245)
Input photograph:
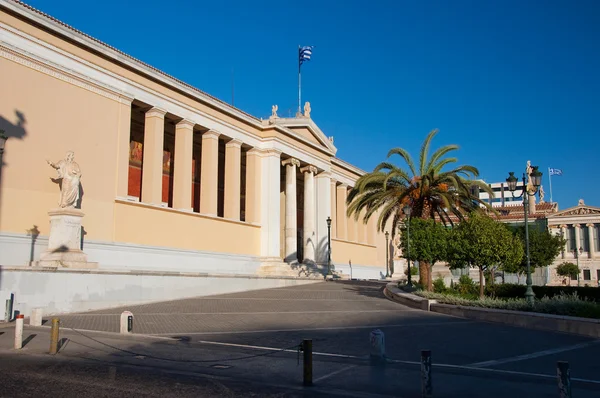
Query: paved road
point(471, 358)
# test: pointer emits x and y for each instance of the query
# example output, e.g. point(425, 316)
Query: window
point(570, 237)
point(598, 274)
point(573, 278)
point(587, 275)
point(596, 241)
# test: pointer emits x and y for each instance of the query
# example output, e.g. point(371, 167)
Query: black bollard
point(426, 387)
point(308, 368)
point(564, 379)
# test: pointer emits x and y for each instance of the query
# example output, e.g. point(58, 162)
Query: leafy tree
point(428, 244)
point(483, 243)
point(568, 269)
point(431, 192)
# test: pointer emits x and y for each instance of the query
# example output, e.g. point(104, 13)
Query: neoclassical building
point(171, 177)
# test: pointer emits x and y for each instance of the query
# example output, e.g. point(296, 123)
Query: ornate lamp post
point(536, 180)
point(328, 245)
point(387, 248)
point(407, 210)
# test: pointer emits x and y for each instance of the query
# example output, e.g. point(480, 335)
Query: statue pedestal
point(64, 244)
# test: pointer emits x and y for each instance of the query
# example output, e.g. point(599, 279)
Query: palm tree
point(430, 191)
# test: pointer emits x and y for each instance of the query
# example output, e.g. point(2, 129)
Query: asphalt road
point(231, 342)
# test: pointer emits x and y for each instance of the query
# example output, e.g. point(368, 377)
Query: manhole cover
point(221, 366)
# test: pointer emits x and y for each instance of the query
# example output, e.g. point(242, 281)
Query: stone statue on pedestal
point(69, 175)
point(64, 242)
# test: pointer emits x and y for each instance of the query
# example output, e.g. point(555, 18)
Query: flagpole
point(299, 83)
point(550, 178)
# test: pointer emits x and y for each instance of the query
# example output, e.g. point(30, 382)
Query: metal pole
point(426, 387)
point(564, 379)
point(299, 83)
point(54, 336)
point(329, 248)
point(529, 295)
point(307, 348)
point(387, 261)
point(408, 256)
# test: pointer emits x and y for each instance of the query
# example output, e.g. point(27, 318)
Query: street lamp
point(407, 210)
point(576, 255)
point(328, 245)
point(387, 248)
point(536, 181)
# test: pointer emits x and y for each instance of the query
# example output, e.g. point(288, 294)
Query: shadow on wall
point(34, 232)
point(12, 130)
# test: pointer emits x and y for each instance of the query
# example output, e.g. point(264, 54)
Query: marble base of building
point(64, 242)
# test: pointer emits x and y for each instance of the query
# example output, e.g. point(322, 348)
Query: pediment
point(307, 129)
point(577, 211)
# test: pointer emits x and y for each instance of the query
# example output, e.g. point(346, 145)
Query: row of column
point(577, 228)
point(347, 228)
point(182, 178)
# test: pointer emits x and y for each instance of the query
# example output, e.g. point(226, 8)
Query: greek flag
point(555, 172)
point(305, 53)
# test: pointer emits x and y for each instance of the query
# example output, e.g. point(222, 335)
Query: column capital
point(563, 225)
point(211, 134)
point(342, 185)
point(291, 161)
point(185, 124)
point(233, 143)
point(576, 225)
point(308, 169)
point(269, 152)
point(156, 112)
point(591, 224)
point(324, 174)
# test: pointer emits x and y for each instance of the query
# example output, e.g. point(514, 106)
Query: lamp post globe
point(511, 181)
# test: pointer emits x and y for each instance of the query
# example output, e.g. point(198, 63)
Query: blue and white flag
point(554, 172)
point(305, 53)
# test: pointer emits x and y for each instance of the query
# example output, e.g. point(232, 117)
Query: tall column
point(563, 233)
point(209, 173)
point(291, 213)
point(310, 237)
point(577, 237)
point(592, 251)
point(352, 225)
point(124, 136)
point(233, 182)
point(372, 229)
point(270, 171)
point(253, 184)
point(333, 205)
point(362, 228)
point(324, 210)
point(154, 138)
point(182, 175)
point(341, 218)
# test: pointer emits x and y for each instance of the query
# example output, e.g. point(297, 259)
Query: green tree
point(483, 243)
point(428, 243)
point(568, 269)
point(431, 192)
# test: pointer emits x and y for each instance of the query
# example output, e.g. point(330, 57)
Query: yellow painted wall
point(44, 118)
point(145, 225)
point(342, 252)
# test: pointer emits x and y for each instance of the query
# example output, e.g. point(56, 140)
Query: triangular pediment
point(307, 129)
point(579, 210)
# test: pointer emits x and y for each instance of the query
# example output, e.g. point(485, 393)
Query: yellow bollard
point(54, 336)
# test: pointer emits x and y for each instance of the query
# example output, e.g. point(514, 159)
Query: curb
point(529, 320)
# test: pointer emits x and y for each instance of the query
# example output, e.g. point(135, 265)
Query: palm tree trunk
point(424, 274)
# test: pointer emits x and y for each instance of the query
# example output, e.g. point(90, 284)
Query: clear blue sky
point(508, 81)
